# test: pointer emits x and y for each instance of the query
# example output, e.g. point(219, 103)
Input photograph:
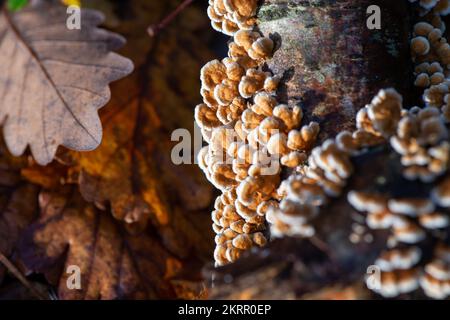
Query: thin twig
point(14, 271)
point(153, 30)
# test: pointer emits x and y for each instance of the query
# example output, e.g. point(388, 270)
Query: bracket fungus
point(251, 136)
point(249, 130)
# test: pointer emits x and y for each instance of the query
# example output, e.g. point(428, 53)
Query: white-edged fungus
point(367, 202)
point(420, 46)
point(234, 234)
point(384, 111)
point(399, 259)
point(441, 193)
point(239, 95)
point(434, 220)
point(252, 82)
point(230, 16)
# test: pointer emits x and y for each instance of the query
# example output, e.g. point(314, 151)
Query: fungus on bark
point(318, 175)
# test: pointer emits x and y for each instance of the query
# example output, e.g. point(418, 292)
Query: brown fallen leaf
point(113, 264)
point(18, 204)
point(132, 170)
point(55, 79)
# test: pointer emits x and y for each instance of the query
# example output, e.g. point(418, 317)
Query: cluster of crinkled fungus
point(250, 136)
point(252, 139)
point(440, 7)
point(420, 137)
point(230, 16)
point(329, 166)
point(409, 220)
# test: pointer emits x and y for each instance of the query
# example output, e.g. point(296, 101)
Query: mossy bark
point(332, 64)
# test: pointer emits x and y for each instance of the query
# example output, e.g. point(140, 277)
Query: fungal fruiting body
point(252, 139)
point(421, 140)
point(329, 166)
point(409, 220)
point(251, 136)
point(441, 7)
point(431, 53)
point(230, 16)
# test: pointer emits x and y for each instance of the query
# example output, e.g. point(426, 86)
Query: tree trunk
point(332, 64)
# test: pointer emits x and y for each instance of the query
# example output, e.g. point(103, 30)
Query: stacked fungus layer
point(420, 137)
point(252, 139)
point(251, 136)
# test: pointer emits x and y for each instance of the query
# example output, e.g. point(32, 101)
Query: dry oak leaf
point(53, 80)
point(113, 263)
point(18, 204)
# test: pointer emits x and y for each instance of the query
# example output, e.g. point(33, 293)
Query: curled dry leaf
point(55, 79)
point(113, 264)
